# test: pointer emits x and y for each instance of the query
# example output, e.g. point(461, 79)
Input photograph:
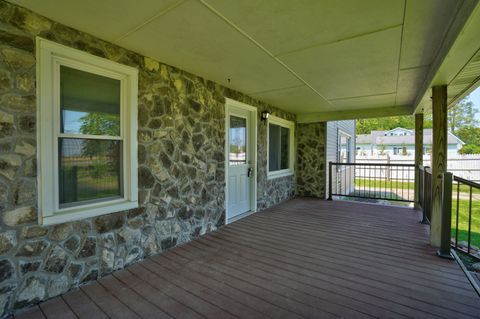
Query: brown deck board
point(107, 302)
point(142, 307)
point(56, 308)
point(30, 313)
point(169, 305)
point(304, 258)
point(82, 305)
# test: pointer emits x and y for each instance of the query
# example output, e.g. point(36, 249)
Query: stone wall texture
point(311, 168)
point(181, 156)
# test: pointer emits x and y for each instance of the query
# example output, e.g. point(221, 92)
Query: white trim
point(291, 156)
point(238, 217)
point(253, 151)
point(50, 56)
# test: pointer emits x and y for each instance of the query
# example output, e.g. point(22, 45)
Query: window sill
point(278, 174)
point(87, 211)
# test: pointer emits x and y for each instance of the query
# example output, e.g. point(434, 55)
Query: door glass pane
point(273, 147)
point(285, 146)
point(89, 170)
point(89, 103)
point(238, 140)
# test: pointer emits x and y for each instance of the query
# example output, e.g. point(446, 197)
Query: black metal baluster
point(469, 220)
point(458, 212)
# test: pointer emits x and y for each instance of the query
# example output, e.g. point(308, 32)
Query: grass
point(89, 185)
point(463, 217)
point(383, 184)
point(392, 184)
point(463, 221)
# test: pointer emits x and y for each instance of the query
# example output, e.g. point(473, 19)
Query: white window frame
point(50, 56)
point(291, 158)
point(341, 133)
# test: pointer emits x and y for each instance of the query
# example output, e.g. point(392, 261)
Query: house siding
point(181, 155)
point(332, 146)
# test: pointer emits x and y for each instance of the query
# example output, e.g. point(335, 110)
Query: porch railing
point(425, 193)
point(466, 211)
point(375, 181)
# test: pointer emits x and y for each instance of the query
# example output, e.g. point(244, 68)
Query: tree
point(470, 149)
point(470, 135)
point(462, 115)
point(104, 154)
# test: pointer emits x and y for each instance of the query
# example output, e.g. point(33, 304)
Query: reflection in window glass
point(238, 140)
point(285, 142)
point(279, 147)
point(89, 170)
point(89, 103)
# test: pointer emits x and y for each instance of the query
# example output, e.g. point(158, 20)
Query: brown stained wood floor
point(304, 258)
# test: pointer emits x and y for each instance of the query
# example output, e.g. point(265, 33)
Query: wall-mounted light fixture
point(265, 115)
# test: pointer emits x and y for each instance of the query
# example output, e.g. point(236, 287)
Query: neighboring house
point(340, 148)
point(400, 141)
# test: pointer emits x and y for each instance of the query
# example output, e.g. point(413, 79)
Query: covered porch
point(304, 258)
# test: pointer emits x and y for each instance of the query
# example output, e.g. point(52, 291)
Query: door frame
point(252, 137)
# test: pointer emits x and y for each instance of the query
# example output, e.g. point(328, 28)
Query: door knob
point(249, 172)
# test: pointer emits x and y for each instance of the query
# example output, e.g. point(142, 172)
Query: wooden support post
point(418, 155)
point(439, 159)
point(444, 250)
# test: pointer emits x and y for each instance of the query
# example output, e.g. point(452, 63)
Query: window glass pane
point(274, 147)
point(90, 170)
point(238, 140)
point(284, 149)
point(89, 103)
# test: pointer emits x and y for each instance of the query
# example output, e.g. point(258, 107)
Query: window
point(87, 134)
point(280, 147)
point(344, 147)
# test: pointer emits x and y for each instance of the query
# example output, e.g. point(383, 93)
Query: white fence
point(465, 166)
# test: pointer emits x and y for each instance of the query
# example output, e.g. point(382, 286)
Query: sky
point(475, 98)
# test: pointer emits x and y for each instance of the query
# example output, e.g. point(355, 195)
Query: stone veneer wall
point(311, 168)
point(181, 168)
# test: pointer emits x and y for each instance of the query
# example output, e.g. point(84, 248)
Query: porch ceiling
point(325, 59)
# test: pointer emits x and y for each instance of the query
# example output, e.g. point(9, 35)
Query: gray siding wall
point(332, 145)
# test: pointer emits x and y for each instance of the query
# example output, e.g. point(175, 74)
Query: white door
point(240, 161)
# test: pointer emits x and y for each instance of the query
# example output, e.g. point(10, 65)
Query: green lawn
point(463, 215)
point(463, 221)
point(360, 182)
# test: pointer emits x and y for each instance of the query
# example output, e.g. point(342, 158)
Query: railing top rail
point(466, 182)
point(374, 164)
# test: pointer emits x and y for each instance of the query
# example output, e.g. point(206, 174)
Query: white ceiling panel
point(284, 26)
point(409, 81)
point(305, 56)
point(106, 19)
point(365, 102)
point(422, 36)
point(193, 38)
point(366, 65)
point(296, 100)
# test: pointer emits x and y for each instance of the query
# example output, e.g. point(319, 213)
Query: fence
point(464, 166)
point(374, 181)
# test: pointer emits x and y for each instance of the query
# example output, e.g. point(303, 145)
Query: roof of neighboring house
point(379, 137)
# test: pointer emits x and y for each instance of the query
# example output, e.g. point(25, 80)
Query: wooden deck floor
point(302, 259)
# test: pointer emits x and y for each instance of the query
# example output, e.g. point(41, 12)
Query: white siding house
point(340, 148)
point(400, 141)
